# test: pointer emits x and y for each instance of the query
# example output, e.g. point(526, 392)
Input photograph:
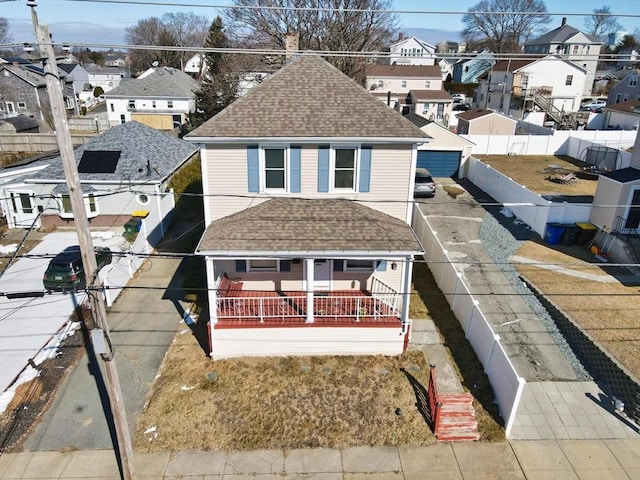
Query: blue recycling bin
point(553, 233)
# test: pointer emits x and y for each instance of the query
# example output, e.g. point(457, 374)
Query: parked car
point(424, 185)
point(594, 106)
point(66, 272)
point(461, 107)
point(458, 97)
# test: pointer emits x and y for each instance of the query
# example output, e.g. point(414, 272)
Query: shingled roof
point(308, 98)
point(163, 82)
point(309, 226)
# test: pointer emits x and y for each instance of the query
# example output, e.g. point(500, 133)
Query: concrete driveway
point(27, 324)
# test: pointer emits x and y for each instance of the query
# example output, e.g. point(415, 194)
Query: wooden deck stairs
point(452, 414)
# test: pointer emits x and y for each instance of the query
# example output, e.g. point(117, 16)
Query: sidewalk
point(545, 459)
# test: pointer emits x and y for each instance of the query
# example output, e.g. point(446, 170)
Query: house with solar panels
point(122, 171)
point(308, 183)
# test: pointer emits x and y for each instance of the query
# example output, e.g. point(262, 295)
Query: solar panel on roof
point(99, 161)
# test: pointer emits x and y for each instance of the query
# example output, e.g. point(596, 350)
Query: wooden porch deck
point(239, 308)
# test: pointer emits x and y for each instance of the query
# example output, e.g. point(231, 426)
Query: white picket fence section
point(573, 143)
point(153, 228)
point(528, 206)
point(506, 383)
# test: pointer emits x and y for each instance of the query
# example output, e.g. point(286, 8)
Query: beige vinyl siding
point(159, 122)
point(608, 192)
point(491, 125)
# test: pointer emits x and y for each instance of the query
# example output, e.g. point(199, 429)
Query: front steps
point(456, 418)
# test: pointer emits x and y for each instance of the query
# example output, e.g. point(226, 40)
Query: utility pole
point(97, 303)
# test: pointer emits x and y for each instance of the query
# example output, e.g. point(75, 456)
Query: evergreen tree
point(219, 85)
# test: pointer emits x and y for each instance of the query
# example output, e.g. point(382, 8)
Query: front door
point(322, 274)
point(22, 209)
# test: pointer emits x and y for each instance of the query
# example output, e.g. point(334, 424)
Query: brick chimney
point(564, 21)
point(292, 45)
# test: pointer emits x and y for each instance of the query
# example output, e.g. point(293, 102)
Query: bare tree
point(502, 25)
point(4, 30)
point(150, 31)
point(601, 23)
point(188, 30)
point(337, 29)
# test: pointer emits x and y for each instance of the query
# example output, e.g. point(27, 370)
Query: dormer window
point(633, 80)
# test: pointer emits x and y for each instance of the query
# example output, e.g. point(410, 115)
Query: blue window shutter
point(294, 168)
point(253, 168)
point(241, 265)
point(365, 168)
point(285, 265)
point(381, 266)
point(338, 265)
point(323, 168)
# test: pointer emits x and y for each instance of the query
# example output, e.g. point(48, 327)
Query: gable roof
point(423, 44)
point(308, 99)
point(305, 226)
point(146, 155)
point(404, 71)
point(441, 94)
point(31, 74)
point(631, 107)
point(163, 82)
point(560, 35)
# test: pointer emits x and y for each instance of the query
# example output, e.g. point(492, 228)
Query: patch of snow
point(4, 249)
point(103, 235)
point(150, 429)
point(506, 212)
point(184, 388)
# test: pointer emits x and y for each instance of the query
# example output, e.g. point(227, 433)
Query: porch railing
point(293, 309)
point(631, 235)
point(387, 295)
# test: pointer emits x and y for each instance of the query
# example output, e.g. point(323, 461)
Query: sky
point(98, 22)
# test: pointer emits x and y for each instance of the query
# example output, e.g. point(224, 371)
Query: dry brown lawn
point(608, 312)
point(533, 172)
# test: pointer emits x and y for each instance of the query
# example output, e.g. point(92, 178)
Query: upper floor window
point(344, 168)
point(131, 104)
point(153, 104)
point(568, 80)
point(169, 103)
point(625, 97)
point(425, 107)
point(22, 105)
point(380, 83)
point(633, 81)
point(427, 84)
point(275, 169)
point(112, 107)
point(575, 49)
point(403, 84)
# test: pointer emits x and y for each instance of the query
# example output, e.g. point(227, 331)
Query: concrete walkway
point(548, 460)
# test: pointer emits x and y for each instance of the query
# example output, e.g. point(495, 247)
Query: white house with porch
point(308, 203)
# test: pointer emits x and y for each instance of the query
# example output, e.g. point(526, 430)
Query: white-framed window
point(427, 84)
point(262, 265)
point(359, 265)
point(633, 81)
point(22, 105)
point(568, 80)
point(344, 168)
point(169, 103)
point(153, 104)
point(1, 107)
point(575, 49)
point(618, 97)
point(425, 107)
point(625, 97)
point(112, 107)
point(90, 206)
point(274, 166)
point(380, 83)
point(123, 118)
point(131, 104)
point(403, 84)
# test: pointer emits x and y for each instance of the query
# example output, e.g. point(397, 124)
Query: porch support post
point(406, 291)
point(212, 293)
point(309, 265)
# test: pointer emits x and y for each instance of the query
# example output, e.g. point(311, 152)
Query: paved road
point(27, 324)
point(143, 324)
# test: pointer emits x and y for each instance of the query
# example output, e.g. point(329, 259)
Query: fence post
point(473, 311)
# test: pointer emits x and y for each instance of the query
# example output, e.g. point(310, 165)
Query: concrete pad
point(588, 455)
point(255, 462)
point(92, 464)
point(5, 461)
point(314, 476)
point(436, 461)
point(251, 476)
point(551, 475)
point(542, 455)
point(151, 465)
point(486, 460)
point(627, 452)
point(36, 465)
point(370, 459)
point(196, 463)
point(374, 476)
point(314, 460)
point(602, 474)
point(447, 379)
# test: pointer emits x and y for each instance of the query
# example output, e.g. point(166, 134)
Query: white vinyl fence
point(153, 228)
point(530, 207)
point(506, 383)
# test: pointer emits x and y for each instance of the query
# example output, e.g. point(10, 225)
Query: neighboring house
point(485, 122)
point(412, 51)
point(246, 81)
point(392, 83)
point(571, 44)
point(444, 156)
point(308, 187)
point(468, 70)
point(629, 57)
point(524, 84)
point(446, 66)
point(194, 65)
point(123, 170)
point(623, 115)
point(616, 210)
point(88, 77)
point(626, 89)
point(448, 47)
point(116, 59)
point(19, 124)
point(434, 105)
point(161, 98)
point(23, 91)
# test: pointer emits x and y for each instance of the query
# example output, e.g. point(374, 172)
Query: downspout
point(406, 292)
point(159, 207)
point(212, 295)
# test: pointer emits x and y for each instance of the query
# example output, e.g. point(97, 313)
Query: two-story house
point(86, 78)
point(162, 98)
point(412, 51)
point(626, 89)
point(468, 69)
point(551, 83)
point(308, 188)
point(23, 91)
point(571, 44)
point(394, 84)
